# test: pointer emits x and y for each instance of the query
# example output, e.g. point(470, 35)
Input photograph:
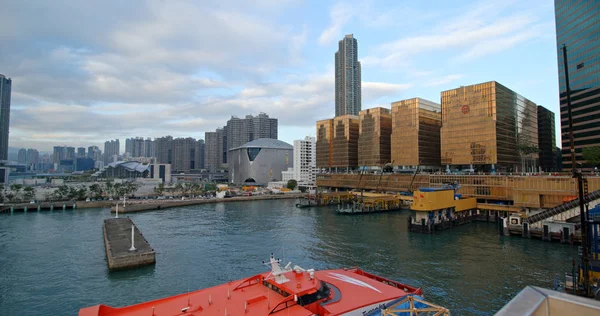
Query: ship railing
point(284, 304)
point(406, 288)
point(249, 282)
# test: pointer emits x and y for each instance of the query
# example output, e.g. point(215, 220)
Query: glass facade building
point(489, 127)
point(5, 91)
point(347, 78)
point(345, 141)
point(324, 143)
point(547, 139)
point(374, 137)
point(416, 133)
point(578, 27)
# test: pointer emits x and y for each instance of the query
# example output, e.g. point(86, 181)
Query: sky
point(88, 71)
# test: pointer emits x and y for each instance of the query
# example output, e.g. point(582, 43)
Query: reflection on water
point(54, 263)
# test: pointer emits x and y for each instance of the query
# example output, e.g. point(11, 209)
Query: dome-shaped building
point(259, 161)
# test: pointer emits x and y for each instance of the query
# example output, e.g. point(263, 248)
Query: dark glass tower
point(546, 139)
point(5, 88)
point(578, 27)
point(347, 78)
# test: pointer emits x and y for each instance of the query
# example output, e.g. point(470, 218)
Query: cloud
point(88, 71)
point(443, 80)
point(373, 91)
point(483, 29)
point(101, 73)
point(340, 14)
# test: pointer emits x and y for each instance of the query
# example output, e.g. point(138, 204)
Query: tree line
point(17, 193)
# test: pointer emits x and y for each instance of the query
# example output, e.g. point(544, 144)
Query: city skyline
point(121, 79)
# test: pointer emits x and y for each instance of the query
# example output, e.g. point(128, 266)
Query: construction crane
point(381, 174)
point(414, 176)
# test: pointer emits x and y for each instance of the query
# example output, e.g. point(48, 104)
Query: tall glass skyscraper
point(578, 27)
point(5, 87)
point(347, 77)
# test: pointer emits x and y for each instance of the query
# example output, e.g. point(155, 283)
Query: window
point(252, 153)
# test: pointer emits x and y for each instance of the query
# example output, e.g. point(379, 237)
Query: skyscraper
point(199, 154)
point(489, 127)
point(140, 147)
point(5, 88)
point(22, 156)
point(60, 153)
point(546, 138)
point(33, 156)
point(305, 163)
point(94, 152)
point(578, 27)
point(184, 154)
point(81, 152)
point(111, 149)
point(211, 155)
point(374, 138)
point(415, 137)
point(240, 131)
point(347, 78)
point(324, 144)
point(163, 148)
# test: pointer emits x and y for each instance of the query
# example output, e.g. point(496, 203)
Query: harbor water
point(54, 263)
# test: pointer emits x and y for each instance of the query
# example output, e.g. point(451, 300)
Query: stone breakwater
point(117, 242)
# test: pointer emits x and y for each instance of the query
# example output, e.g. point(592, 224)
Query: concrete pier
point(117, 240)
point(24, 207)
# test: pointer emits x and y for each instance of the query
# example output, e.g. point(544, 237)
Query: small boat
point(281, 291)
point(302, 205)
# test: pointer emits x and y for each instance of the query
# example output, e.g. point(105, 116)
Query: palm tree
point(16, 188)
point(29, 193)
point(179, 187)
point(160, 188)
point(109, 188)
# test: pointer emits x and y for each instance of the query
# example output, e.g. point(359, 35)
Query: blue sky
point(87, 71)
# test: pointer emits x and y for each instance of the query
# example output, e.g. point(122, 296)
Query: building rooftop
point(129, 165)
point(266, 143)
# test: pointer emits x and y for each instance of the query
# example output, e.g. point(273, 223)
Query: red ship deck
point(295, 292)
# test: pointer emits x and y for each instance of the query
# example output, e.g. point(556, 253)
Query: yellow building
point(488, 126)
point(374, 137)
point(415, 137)
point(324, 146)
point(345, 141)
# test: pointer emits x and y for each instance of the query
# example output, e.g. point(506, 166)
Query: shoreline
point(150, 205)
point(141, 205)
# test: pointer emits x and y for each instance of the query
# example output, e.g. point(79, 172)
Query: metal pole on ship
point(579, 177)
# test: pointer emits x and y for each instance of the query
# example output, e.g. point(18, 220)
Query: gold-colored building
point(345, 141)
point(416, 133)
point(489, 125)
point(324, 146)
point(374, 137)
